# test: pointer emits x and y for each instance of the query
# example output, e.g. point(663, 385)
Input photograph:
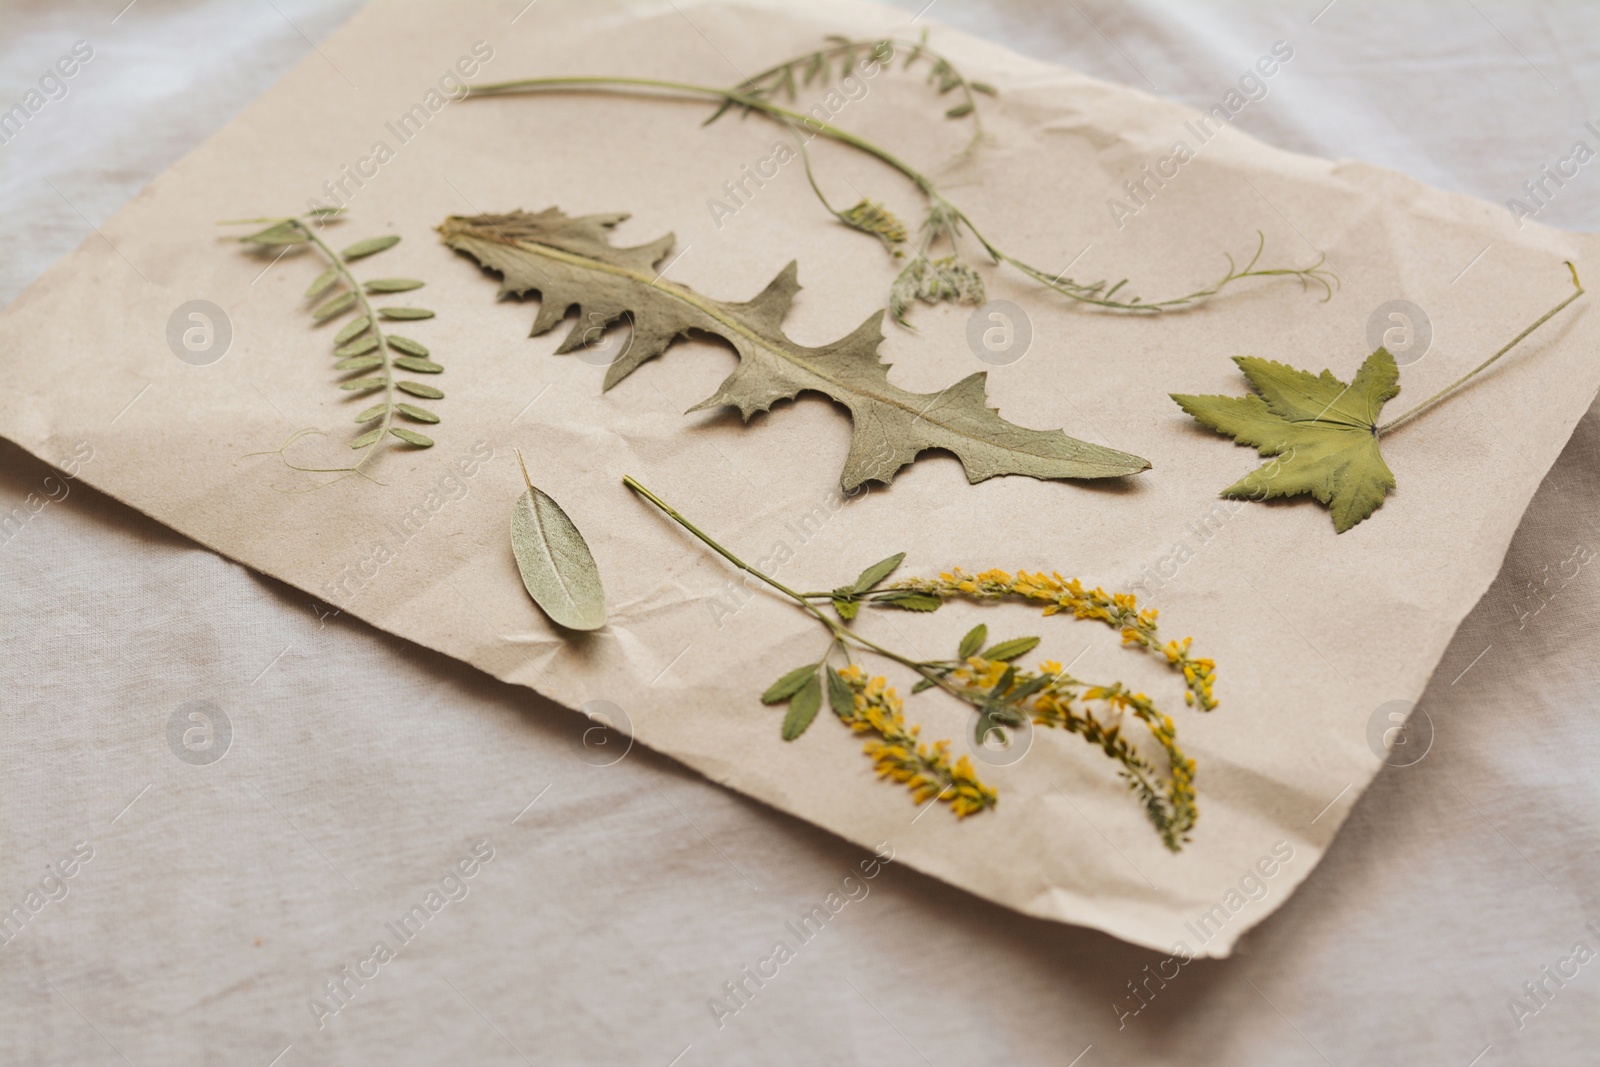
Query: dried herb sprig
point(984, 675)
point(928, 277)
point(368, 354)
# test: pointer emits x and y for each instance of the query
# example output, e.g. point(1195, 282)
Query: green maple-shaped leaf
point(571, 263)
point(1322, 433)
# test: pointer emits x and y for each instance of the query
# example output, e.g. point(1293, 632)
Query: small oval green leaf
point(1006, 651)
point(373, 412)
point(878, 572)
point(840, 696)
point(393, 285)
point(405, 313)
point(788, 685)
point(406, 344)
point(910, 600)
point(339, 304)
point(411, 437)
point(324, 280)
point(284, 233)
point(364, 384)
point(421, 366)
point(369, 246)
point(418, 389)
point(359, 363)
point(368, 438)
point(411, 411)
point(803, 708)
point(357, 348)
point(557, 568)
point(353, 328)
point(973, 641)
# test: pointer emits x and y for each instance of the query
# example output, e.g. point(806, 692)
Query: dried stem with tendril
point(924, 277)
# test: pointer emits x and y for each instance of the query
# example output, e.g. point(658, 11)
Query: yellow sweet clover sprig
point(1048, 697)
point(1003, 696)
point(1120, 611)
point(899, 755)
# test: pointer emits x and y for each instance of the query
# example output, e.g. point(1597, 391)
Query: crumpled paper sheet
point(1313, 633)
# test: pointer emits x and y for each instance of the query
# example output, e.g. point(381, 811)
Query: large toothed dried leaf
point(1323, 433)
point(571, 263)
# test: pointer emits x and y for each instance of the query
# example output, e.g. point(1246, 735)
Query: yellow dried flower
point(896, 753)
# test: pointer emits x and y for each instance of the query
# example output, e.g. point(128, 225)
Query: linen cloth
point(644, 910)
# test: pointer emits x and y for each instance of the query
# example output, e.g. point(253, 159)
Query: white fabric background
point(221, 897)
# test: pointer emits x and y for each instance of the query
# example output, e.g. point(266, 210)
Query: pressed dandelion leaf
point(571, 263)
point(1322, 433)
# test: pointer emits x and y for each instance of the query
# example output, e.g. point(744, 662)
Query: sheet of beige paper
point(1312, 632)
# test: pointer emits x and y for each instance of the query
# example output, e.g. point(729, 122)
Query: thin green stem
point(753, 102)
point(945, 218)
point(673, 514)
point(840, 633)
point(1577, 288)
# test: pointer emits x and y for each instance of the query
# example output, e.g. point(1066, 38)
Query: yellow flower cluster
point(899, 755)
point(1120, 611)
point(1172, 810)
point(869, 216)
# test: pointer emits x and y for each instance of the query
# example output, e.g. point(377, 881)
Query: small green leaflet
point(847, 598)
point(284, 233)
point(368, 247)
point(840, 697)
point(909, 600)
point(802, 689)
point(788, 685)
point(1322, 433)
point(324, 281)
point(803, 708)
point(557, 568)
point(1006, 651)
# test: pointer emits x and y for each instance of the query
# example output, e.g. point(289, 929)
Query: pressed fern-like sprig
point(984, 676)
point(369, 355)
point(928, 277)
point(843, 53)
